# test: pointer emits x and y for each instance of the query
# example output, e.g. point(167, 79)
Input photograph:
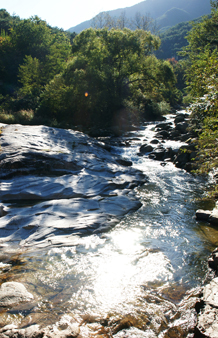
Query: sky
point(63, 13)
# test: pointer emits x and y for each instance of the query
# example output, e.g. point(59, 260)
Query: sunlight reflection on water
point(110, 276)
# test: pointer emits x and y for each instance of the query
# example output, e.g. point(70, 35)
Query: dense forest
point(87, 81)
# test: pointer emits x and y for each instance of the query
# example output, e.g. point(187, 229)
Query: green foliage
point(7, 21)
point(21, 116)
point(31, 54)
point(202, 72)
point(202, 81)
point(113, 67)
point(173, 40)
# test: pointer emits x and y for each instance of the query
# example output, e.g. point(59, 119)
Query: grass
point(21, 117)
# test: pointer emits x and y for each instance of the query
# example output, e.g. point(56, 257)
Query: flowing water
point(148, 261)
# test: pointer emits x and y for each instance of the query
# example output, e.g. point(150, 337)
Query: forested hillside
point(174, 39)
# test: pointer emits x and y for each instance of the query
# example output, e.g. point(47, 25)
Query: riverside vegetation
point(96, 79)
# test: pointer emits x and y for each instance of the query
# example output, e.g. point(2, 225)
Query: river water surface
point(148, 261)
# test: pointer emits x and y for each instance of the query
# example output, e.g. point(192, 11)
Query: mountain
point(174, 39)
point(172, 17)
point(167, 13)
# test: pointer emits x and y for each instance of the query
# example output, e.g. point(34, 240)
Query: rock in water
point(12, 293)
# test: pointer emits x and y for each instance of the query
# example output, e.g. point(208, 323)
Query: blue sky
point(63, 13)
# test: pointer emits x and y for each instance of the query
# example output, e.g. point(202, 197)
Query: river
point(140, 268)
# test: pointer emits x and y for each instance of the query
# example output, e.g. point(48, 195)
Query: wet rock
point(164, 126)
point(208, 316)
point(162, 154)
point(183, 327)
point(183, 323)
point(163, 134)
point(154, 141)
point(210, 294)
point(146, 148)
point(208, 216)
point(174, 134)
point(213, 260)
point(208, 322)
point(185, 158)
point(12, 293)
point(182, 127)
point(56, 222)
point(34, 331)
point(203, 215)
point(88, 189)
point(180, 118)
point(184, 137)
point(181, 159)
point(158, 154)
point(3, 210)
point(134, 332)
point(125, 163)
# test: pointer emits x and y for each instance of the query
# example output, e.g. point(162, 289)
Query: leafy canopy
point(109, 65)
point(31, 54)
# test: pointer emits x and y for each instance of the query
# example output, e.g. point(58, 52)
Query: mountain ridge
point(156, 9)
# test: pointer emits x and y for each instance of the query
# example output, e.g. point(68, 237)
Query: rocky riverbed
point(60, 185)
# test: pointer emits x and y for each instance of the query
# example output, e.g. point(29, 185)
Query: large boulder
point(203, 215)
point(185, 158)
point(210, 216)
point(12, 293)
point(66, 184)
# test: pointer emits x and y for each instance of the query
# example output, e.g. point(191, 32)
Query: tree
point(31, 55)
point(122, 21)
point(202, 82)
point(7, 21)
point(144, 22)
point(201, 53)
point(110, 66)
